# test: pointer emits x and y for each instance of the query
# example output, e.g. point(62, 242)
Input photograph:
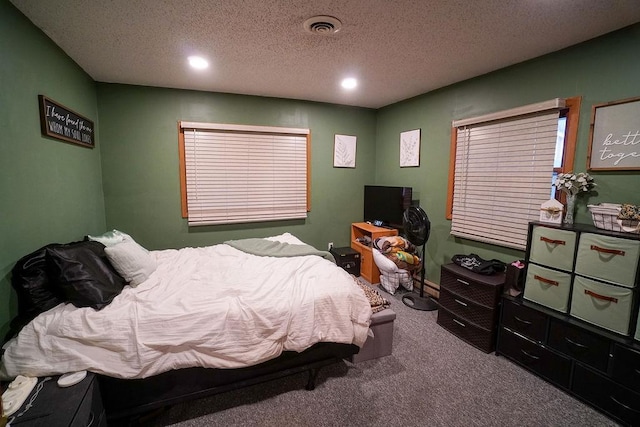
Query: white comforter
point(211, 307)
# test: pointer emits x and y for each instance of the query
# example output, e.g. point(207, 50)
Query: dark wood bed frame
point(127, 399)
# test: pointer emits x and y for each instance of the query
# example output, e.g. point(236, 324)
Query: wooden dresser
point(468, 305)
point(361, 232)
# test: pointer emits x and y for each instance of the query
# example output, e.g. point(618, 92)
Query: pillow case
point(111, 238)
point(83, 273)
point(132, 261)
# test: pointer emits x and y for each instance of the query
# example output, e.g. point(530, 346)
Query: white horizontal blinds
point(237, 177)
point(503, 174)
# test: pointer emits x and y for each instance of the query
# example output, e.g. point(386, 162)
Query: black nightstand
point(348, 259)
point(78, 406)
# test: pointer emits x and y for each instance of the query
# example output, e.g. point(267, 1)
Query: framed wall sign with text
point(58, 121)
point(614, 137)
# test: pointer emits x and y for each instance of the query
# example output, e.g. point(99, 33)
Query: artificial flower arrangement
point(574, 183)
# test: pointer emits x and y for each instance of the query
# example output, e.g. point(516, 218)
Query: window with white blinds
point(239, 174)
point(503, 171)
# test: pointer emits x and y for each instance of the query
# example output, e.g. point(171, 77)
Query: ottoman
point(380, 340)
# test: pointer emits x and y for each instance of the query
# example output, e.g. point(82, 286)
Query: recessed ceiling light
point(349, 83)
point(198, 62)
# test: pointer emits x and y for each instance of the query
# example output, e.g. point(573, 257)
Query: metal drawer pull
point(530, 355)
point(460, 302)
point(607, 251)
point(460, 323)
point(526, 322)
point(463, 282)
point(553, 242)
point(602, 297)
point(577, 344)
point(547, 281)
point(628, 408)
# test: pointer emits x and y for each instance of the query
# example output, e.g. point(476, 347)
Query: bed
point(162, 326)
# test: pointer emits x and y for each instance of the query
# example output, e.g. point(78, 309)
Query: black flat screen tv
point(385, 205)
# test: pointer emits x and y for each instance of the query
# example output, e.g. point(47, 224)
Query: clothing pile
point(399, 250)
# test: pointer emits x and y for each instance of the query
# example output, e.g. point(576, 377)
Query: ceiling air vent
point(322, 25)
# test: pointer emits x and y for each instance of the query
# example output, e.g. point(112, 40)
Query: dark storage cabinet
point(77, 406)
point(468, 305)
point(348, 259)
point(598, 364)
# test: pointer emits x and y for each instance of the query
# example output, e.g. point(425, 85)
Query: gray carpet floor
point(431, 379)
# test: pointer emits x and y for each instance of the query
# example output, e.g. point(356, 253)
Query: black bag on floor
point(478, 265)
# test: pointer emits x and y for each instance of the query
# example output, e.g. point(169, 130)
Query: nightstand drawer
point(554, 367)
point(579, 344)
point(482, 316)
point(608, 258)
point(553, 247)
point(483, 289)
point(524, 320)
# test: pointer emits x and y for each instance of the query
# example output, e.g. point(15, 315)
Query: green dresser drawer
point(608, 258)
point(607, 306)
point(548, 287)
point(553, 247)
point(637, 336)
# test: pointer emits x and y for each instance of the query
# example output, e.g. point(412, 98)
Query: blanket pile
point(399, 250)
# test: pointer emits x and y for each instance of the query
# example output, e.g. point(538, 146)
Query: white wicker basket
point(605, 216)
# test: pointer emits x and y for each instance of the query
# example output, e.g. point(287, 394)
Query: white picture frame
point(344, 151)
point(410, 148)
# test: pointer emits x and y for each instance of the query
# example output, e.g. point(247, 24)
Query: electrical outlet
point(330, 245)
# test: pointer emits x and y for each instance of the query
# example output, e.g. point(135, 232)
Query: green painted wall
point(601, 70)
point(140, 162)
point(50, 191)
point(53, 191)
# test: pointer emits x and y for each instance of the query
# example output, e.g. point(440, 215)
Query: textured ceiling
point(396, 48)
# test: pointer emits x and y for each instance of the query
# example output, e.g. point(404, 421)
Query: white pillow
point(132, 261)
point(385, 265)
point(111, 238)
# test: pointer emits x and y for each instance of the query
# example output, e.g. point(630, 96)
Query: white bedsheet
point(210, 307)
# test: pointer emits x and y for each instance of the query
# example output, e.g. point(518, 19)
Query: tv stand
point(360, 230)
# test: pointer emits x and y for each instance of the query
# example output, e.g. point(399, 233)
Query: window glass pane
point(562, 125)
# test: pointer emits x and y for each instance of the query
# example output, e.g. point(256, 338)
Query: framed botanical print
point(410, 148)
point(344, 151)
